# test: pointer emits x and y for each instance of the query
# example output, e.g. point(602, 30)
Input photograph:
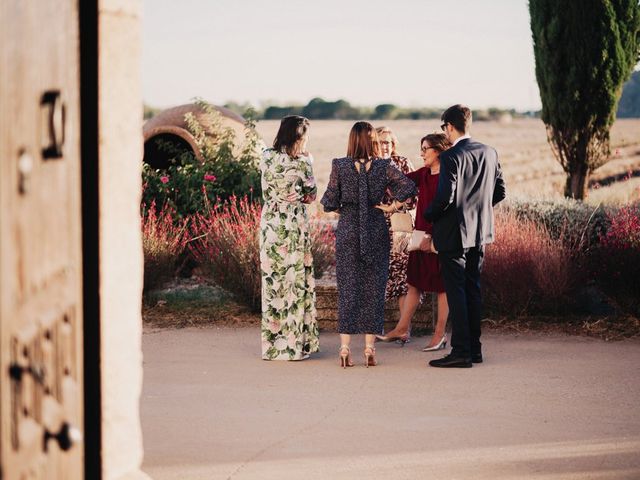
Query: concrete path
point(538, 408)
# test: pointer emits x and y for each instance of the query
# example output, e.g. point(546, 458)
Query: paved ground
point(538, 408)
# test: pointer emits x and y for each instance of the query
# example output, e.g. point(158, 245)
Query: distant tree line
point(629, 106)
point(320, 109)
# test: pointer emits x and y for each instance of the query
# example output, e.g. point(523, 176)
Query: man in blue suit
point(470, 185)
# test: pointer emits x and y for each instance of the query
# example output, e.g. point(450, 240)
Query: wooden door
point(41, 371)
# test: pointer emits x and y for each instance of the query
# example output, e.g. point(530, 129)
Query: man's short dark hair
point(459, 116)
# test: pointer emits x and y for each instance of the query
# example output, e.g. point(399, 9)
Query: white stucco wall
point(121, 260)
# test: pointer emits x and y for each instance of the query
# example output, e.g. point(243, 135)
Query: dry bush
point(323, 246)
point(526, 270)
point(225, 243)
point(616, 262)
point(163, 240)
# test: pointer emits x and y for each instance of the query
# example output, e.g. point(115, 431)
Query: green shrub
point(578, 224)
point(188, 183)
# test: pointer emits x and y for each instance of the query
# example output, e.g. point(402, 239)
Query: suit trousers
point(461, 274)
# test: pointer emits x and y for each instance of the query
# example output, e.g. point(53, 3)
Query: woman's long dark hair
point(292, 129)
point(363, 141)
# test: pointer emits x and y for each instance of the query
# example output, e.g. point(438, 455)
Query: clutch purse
point(401, 222)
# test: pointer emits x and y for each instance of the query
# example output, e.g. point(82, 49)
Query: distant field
point(526, 158)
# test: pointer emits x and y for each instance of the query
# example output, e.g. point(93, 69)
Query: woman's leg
point(401, 302)
point(370, 350)
point(441, 322)
point(345, 351)
point(410, 303)
point(369, 339)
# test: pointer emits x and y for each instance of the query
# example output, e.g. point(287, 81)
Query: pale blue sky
point(408, 52)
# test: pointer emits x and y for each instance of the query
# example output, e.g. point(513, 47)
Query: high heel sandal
point(345, 356)
point(370, 356)
point(438, 346)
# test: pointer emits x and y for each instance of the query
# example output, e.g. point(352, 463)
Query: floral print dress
point(398, 262)
point(289, 327)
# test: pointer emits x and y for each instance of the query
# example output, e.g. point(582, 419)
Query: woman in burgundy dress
point(423, 271)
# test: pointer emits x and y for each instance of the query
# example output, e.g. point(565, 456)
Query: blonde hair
point(394, 138)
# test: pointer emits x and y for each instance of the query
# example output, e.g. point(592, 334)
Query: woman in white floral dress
point(289, 326)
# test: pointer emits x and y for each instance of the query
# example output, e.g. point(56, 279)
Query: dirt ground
point(541, 406)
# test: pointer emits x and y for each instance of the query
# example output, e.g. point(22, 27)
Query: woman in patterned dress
point(397, 282)
point(356, 186)
point(423, 273)
point(289, 327)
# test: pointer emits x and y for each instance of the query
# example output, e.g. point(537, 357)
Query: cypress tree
point(585, 50)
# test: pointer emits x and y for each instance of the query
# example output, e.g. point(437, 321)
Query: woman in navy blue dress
point(356, 187)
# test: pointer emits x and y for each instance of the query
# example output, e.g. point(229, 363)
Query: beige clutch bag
point(401, 222)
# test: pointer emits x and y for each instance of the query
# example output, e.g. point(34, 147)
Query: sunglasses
point(442, 127)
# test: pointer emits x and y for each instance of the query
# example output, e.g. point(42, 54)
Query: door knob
point(16, 372)
point(53, 124)
point(67, 437)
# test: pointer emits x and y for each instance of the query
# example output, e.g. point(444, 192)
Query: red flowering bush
point(616, 266)
point(163, 240)
point(225, 243)
point(526, 270)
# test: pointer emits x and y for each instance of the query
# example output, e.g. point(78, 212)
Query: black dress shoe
point(476, 358)
point(452, 362)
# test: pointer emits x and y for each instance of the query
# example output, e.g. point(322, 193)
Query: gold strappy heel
point(345, 356)
point(370, 356)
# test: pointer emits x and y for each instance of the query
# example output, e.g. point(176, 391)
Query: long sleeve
point(445, 195)
point(331, 198)
point(499, 190)
point(416, 175)
point(400, 185)
point(309, 188)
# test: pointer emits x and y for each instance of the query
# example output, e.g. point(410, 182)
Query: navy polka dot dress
point(362, 239)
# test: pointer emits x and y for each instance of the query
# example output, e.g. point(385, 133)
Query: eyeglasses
point(442, 127)
point(424, 149)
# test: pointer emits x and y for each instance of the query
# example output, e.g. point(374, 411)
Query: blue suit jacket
point(470, 185)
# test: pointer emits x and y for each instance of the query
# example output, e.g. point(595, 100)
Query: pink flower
point(209, 178)
point(274, 327)
point(164, 179)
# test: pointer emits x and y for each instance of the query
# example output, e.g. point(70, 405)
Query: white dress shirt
point(466, 135)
